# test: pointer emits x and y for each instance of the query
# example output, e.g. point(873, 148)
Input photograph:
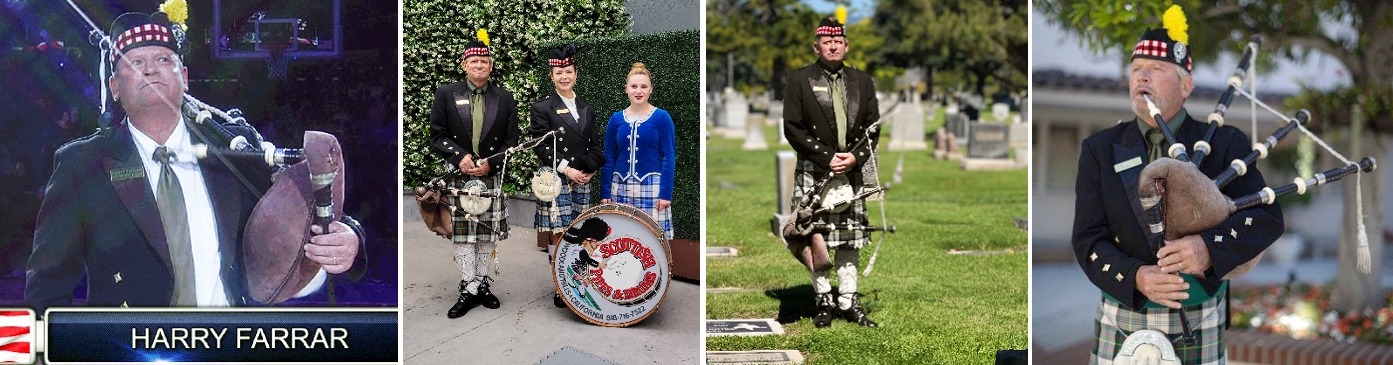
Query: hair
point(1181, 71)
point(640, 69)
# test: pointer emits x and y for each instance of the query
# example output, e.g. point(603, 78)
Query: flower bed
point(1303, 311)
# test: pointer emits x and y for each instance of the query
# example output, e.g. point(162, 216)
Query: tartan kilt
point(574, 199)
point(1113, 323)
point(479, 228)
point(642, 193)
point(805, 175)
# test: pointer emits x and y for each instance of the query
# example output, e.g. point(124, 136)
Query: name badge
point(1124, 165)
point(563, 111)
point(127, 173)
point(462, 102)
point(819, 89)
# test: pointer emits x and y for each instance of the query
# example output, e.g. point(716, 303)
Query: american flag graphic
point(16, 335)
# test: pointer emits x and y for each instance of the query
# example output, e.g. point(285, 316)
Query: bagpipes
point(295, 188)
point(1179, 200)
point(306, 189)
point(805, 236)
point(475, 197)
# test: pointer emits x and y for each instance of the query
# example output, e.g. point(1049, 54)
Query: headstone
point(941, 143)
point(754, 135)
point(1000, 111)
point(776, 116)
point(954, 251)
point(988, 140)
point(721, 251)
point(737, 110)
point(908, 132)
point(743, 327)
point(959, 125)
point(713, 111)
point(1019, 134)
point(1025, 108)
point(754, 357)
point(784, 164)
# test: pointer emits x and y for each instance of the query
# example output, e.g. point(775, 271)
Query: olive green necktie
point(1156, 140)
point(839, 107)
point(169, 197)
point(476, 98)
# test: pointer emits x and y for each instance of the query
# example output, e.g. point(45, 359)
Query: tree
point(986, 39)
point(763, 36)
point(762, 39)
point(1354, 32)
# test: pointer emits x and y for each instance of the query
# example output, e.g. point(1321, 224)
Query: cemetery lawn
point(933, 307)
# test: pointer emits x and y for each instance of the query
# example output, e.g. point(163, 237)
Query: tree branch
point(1220, 11)
point(1330, 47)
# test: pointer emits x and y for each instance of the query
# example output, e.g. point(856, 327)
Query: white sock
point(846, 275)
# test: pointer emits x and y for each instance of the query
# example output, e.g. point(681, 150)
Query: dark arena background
point(288, 66)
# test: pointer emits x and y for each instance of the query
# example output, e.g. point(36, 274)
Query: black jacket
point(1108, 219)
point(810, 126)
point(99, 220)
point(451, 125)
point(577, 142)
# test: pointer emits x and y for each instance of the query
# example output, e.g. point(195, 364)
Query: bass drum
point(613, 265)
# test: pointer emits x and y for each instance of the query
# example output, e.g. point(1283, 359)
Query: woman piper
point(574, 156)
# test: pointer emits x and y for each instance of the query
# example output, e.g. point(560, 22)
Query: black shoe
point(823, 318)
point(487, 298)
point(556, 300)
point(856, 314)
point(466, 302)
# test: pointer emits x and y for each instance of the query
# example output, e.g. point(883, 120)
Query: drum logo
point(627, 272)
point(608, 272)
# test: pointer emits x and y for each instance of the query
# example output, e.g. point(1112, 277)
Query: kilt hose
point(476, 237)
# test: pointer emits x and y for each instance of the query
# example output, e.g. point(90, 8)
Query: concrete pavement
point(528, 328)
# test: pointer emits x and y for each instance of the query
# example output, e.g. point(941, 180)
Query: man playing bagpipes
point(146, 223)
point(470, 120)
point(829, 113)
point(1175, 286)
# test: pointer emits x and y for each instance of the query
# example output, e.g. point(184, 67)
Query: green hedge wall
point(674, 58)
point(435, 32)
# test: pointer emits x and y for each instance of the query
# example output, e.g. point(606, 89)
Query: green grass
point(932, 307)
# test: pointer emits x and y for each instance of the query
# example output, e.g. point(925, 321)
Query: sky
point(1054, 49)
point(857, 10)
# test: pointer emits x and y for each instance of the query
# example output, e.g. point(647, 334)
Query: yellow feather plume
point(178, 11)
point(841, 14)
point(483, 36)
point(1176, 27)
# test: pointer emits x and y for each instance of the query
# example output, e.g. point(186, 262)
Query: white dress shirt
point(570, 106)
point(203, 226)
